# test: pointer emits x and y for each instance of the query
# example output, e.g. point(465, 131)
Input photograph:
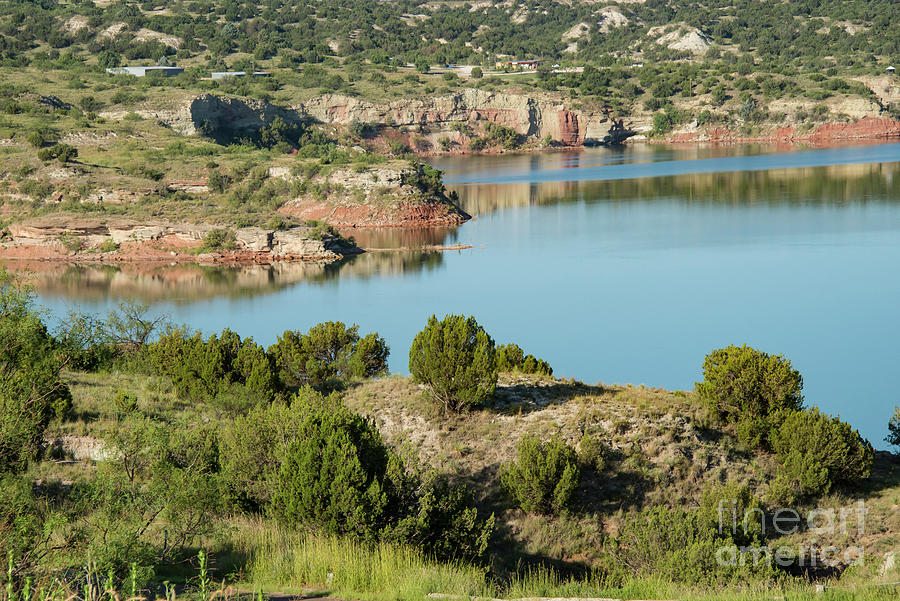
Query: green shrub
point(502, 135)
point(426, 178)
point(216, 182)
point(455, 358)
point(23, 524)
point(252, 448)
point(32, 391)
point(336, 475)
point(152, 498)
point(85, 341)
point(818, 452)
point(125, 403)
point(36, 139)
point(330, 470)
point(592, 453)
point(511, 358)
point(217, 240)
point(328, 355)
point(477, 144)
point(71, 242)
point(477, 73)
point(679, 545)
point(222, 369)
point(745, 387)
point(62, 152)
point(544, 476)
point(108, 246)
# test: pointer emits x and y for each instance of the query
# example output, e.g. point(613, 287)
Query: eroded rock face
point(528, 116)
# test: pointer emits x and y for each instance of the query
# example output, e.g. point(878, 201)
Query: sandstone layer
point(93, 240)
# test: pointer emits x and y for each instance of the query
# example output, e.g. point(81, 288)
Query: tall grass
point(281, 558)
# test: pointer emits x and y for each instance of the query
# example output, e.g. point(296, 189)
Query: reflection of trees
point(192, 282)
point(837, 184)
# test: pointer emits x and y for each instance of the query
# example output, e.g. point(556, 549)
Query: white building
point(225, 74)
point(142, 71)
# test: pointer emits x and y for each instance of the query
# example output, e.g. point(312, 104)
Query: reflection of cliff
point(150, 283)
point(191, 282)
point(813, 185)
point(400, 237)
point(391, 263)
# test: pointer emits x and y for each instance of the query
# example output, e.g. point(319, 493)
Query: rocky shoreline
point(867, 128)
point(93, 240)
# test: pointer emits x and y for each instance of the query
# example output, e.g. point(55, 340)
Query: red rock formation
point(569, 132)
point(867, 128)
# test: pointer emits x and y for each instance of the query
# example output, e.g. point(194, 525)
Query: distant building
point(226, 74)
point(142, 71)
point(891, 70)
point(529, 65)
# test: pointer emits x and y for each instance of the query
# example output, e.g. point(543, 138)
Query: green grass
point(281, 559)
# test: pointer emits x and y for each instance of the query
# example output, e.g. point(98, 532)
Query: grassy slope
point(659, 453)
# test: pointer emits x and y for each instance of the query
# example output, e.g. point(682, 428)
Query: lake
point(620, 266)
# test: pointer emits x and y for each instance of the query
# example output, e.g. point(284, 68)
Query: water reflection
point(836, 184)
point(395, 237)
point(188, 283)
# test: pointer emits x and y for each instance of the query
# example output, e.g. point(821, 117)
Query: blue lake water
point(616, 266)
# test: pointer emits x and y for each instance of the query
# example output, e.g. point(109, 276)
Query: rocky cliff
point(376, 197)
point(529, 116)
point(448, 122)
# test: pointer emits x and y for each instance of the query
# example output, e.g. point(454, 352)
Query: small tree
point(511, 357)
point(477, 73)
point(455, 358)
point(109, 59)
point(745, 386)
point(216, 182)
point(337, 474)
point(422, 65)
point(818, 452)
point(316, 463)
point(893, 437)
point(544, 477)
point(328, 355)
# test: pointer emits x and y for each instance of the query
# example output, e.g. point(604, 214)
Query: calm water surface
point(616, 266)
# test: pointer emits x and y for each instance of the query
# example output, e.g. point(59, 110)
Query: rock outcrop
point(82, 239)
point(377, 197)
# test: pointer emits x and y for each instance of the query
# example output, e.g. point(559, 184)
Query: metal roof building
point(142, 71)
